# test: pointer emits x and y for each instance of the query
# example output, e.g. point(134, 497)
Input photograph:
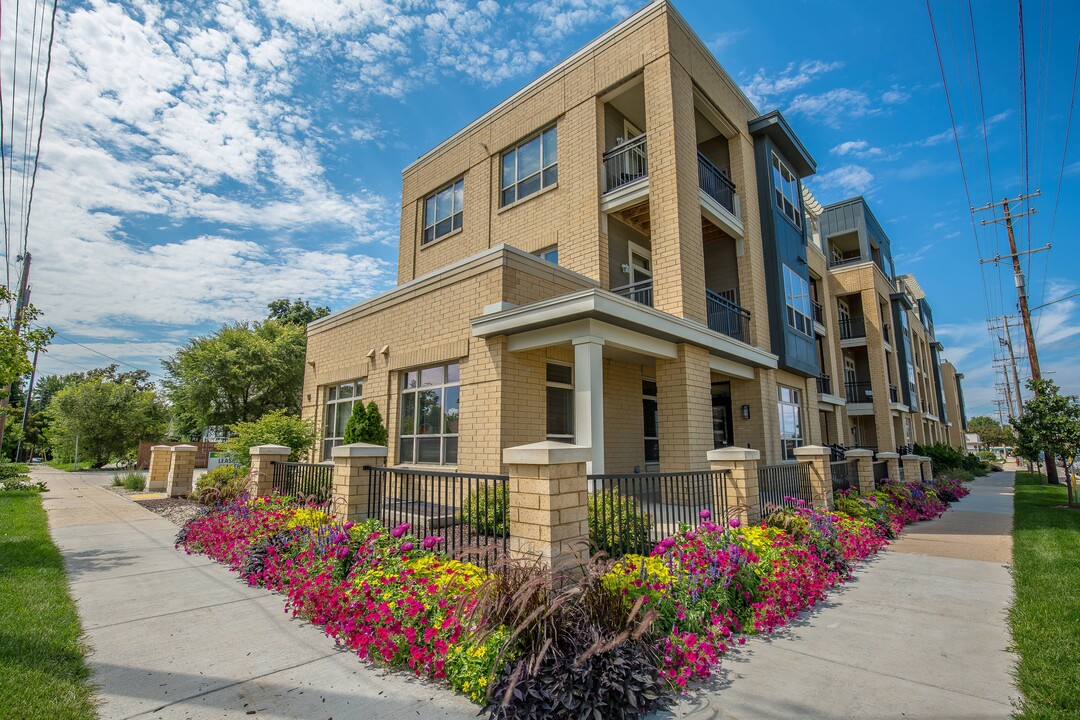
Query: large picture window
point(338, 409)
point(443, 211)
point(560, 403)
point(797, 297)
point(786, 188)
point(789, 403)
point(530, 167)
point(430, 408)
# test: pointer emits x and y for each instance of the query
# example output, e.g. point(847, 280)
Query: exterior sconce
point(626, 268)
point(745, 412)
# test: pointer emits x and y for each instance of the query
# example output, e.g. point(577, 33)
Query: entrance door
point(721, 415)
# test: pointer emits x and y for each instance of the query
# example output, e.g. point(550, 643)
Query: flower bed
point(614, 638)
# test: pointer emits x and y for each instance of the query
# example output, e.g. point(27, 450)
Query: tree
point(991, 431)
point(1051, 421)
point(108, 417)
point(18, 338)
point(366, 425)
point(298, 312)
point(237, 374)
point(274, 428)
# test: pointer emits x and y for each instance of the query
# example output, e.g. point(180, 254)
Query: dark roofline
point(776, 127)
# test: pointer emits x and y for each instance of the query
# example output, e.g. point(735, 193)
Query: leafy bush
point(275, 428)
point(617, 524)
point(224, 483)
point(131, 480)
point(366, 425)
point(962, 475)
point(486, 510)
point(10, 470)
point(34, 485)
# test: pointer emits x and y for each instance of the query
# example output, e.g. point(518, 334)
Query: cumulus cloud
point(843, 181)
point(765, 85)
point(833, 107)
point(859, 149)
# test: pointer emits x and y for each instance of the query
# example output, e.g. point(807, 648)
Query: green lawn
point(83, 465)
point(1046, 616)
point(43, 673)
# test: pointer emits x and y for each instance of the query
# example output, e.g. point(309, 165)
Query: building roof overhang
point(776, 128)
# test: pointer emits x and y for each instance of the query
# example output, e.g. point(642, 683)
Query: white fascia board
point(832, 399)
point(728, 367)
point(611, 335)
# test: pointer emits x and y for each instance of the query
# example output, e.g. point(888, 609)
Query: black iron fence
point(631, 513)
point(881, 471)
point(845, 475)
point(716, 184)
point(852, 327)
point(858, 392)
point(626, 163)
point(824, 385)
point(778, 483)
point(469, 511)
point(726, 317)
point(309, 480)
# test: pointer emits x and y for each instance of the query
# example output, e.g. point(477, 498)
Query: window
point(442, 211)
point(430, 408)
point(339, 407)
point(789, 403)
point(550, 253)
point(560, 403)
point(797, 296)
point(652, 422)
point(786, 186)
point(530, 167)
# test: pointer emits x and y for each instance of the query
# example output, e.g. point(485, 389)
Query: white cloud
point(895, 96)
point(937, 139)
point(764, 85)
point(845, 180)
point(858, 148)
point(833, 107)
point(724, 40)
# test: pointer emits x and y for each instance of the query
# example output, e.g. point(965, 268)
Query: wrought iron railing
point(852, 327)
point(778, 484)
point(885, 334)
point(716, 184)
point(726, 317)
point(469, 511)
point(894, 394)
point(845, 475)
point(631, 513)
point(858, 392)
point(819, 312)
point(881, 471)
point(837, 262)
point(313, 481)
point(626, 163)
point(641, 291)
point(824, 384)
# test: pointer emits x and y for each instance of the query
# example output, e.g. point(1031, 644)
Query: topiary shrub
point(275, 428)
point(486, 510)
point(617, 524)
point(222, 484)
point(365, 425)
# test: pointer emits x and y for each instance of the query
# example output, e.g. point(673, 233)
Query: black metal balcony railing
point(819, 312)
point(885, 334)
point(626, 163)
point(716, 184)
point(726, 317)
point(641, 291)
point(858, 392)
point(851, 328)
point(894, 394)
point(838, 261)
point(824, 385)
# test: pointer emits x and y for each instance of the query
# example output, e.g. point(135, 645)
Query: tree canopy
point(991, 431)
point(298, 312)
point(1051, 422)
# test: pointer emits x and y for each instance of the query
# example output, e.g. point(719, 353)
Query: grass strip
point(43, 673)
point(1045, 618)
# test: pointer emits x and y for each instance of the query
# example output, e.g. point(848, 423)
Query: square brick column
point(352, 483)
point(549, 501)
point(262, 469)
point(892, 462)
point(684, 404)
point(160, 459)
point(181, 470)
point(817, 456)
point(912, 467)
point(865, 464)
point(743, 492)
point(927, 469)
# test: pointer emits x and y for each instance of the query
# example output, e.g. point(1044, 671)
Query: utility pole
point(26, 409)
point(999, 402)
point(1021, 293)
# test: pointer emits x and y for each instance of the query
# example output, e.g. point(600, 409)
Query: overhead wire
point(41, 128)
point(107, 357)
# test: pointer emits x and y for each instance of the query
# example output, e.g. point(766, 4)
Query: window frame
point(789, 440)
point(335, 390)
point(799, 308)
point(409, 443)
point(456, 216)
point(555, 385)
point(653, 397)
point(544, 252)
point(781, 185)
point(542, 172)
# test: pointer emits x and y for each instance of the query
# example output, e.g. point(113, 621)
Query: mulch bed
point(176, 510)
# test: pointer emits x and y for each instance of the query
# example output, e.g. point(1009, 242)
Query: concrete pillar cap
point(161, 447)
point(859, 453)
point(733, 454)
point(812, 451)
point(359, 450)
point(183, 448)
point(887, 455)
point(270, 450)
point(546, 453)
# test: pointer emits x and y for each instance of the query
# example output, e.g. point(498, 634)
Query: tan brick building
point(616, 256)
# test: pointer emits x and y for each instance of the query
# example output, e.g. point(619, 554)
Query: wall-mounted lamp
point(745, 412)
point(626, 268)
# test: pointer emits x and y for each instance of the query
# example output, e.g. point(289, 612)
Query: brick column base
point(817, 456)
point(263, 457)
point(743, 493)
point(892, 462)
point(352, 483)
point(865, 475)
point(181, 470)
point(158, 477)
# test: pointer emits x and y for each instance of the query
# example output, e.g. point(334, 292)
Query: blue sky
point(201, 159)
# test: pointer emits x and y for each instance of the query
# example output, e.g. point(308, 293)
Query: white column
point(589, 399)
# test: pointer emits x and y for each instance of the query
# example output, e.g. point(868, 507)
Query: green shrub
point(617, 524)
point(130, 480)
point(962, 475)
point(366, 425)
point(10, 470)
point(222, 484)
point(275, 428)
point(486, 510)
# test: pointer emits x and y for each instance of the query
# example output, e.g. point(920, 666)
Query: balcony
point(719, 201)
point(836, 262)
point(894, 394)
point(626, 164)
point(819, 312)
point(824, 385)
point(726, 317)
point(885, 334)
point(858, 392)
point(852, 328)
point(639, 292)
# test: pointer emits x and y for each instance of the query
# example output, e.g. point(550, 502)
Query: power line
point(108, 357)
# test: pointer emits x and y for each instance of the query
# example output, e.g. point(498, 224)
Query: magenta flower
point(407, 546)
point(704, 514)
point(431, 541)
point(400, 530)
point(348, 525)
point(734, 522)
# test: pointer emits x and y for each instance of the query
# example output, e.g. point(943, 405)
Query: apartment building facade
point(616, 256)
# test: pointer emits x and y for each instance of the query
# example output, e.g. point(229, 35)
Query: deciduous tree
point(1051, 421)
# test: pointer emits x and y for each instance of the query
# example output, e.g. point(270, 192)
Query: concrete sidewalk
point(920, 632)
point(178, 636)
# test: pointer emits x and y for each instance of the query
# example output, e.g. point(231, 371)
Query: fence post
point(740, 466)
point(864, 478)
point(927, 468)
point(262, 470)
point(181, 470)
point(817, 456)
point(548, 501)
point(912, 467)
point(352, 483)
point(158, 477)
point(892, 464)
